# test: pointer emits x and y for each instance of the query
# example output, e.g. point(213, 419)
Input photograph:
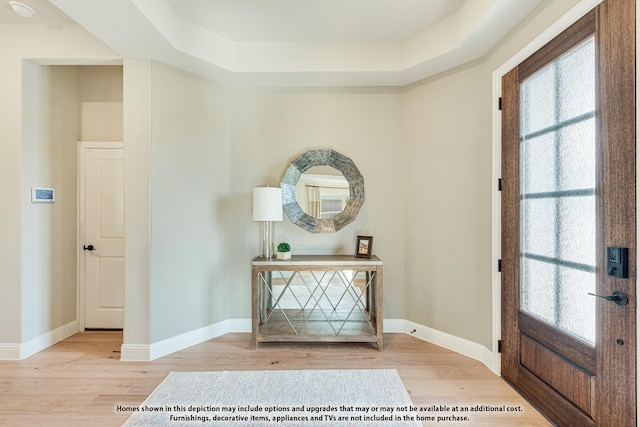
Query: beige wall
point(50, 130)
point(101, 103)
point(190, 175)
point(52, 123)
point(177, 198)
point(448, 205)
point(19, 280)
point(449, 160)
point(137, 231)
point(272, 127)
point(195, 149)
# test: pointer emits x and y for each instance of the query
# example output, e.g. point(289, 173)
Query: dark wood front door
point(568, 201)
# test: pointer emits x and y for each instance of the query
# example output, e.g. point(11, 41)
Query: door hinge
point(499, 346)
point(500, 265)
point(500, 103)
point(499, 184)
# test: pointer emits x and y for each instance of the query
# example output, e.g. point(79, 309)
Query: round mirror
point(322, 191)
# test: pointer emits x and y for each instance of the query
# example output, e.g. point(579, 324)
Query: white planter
point(284, 255)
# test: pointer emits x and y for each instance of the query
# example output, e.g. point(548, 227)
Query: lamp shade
point(267, 204)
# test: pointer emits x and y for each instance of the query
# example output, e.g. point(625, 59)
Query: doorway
point(569, 222)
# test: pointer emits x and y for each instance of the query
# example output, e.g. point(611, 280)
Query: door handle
point(618, 297)
point(89, 248)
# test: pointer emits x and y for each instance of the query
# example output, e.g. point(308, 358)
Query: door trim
point(81, 170)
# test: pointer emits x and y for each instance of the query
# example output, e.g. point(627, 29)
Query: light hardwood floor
point(80, 381)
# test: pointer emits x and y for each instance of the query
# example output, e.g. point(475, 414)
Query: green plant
point(284, 247)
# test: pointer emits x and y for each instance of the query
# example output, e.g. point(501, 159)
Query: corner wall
point(51, 121)
point(36, 41)
point(449, 223)
point(137, 226)
point(449, 205)
point(190, 174)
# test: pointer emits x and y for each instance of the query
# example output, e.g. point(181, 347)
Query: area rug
point(366, 397)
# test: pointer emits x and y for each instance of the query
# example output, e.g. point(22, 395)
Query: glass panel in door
point(557, 193)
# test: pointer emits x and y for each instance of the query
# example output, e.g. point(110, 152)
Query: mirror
point(322, 191)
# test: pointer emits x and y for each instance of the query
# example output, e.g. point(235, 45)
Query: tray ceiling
point(300, 42)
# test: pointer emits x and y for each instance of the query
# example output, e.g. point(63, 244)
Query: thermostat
point(43, 195)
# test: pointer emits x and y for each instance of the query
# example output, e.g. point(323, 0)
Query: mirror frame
point(319, 158)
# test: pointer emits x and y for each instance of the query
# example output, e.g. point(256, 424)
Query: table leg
point(255, 308)
point(378, 307)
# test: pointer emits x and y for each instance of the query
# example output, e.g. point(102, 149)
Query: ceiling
point(46, 13)
point(293, 42)
point(320, 21)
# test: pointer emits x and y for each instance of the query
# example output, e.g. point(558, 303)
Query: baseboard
point(9, 351)
point(138, 352)
point(135, 352)
point(393, 326)
point(141, 352)
point(23, 350)
point(451, 342)
point(147, 352)
point(47, 340)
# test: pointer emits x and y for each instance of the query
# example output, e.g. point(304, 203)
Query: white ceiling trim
point(152, 29)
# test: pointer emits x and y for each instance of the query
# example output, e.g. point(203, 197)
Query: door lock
point(618, 262)
point(618, 297)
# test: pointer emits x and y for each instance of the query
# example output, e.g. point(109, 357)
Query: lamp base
point(266, 240)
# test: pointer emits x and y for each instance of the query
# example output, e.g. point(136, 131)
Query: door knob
point(618, 297)
point(89, 248)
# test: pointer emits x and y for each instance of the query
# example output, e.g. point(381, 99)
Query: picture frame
point(364, 246)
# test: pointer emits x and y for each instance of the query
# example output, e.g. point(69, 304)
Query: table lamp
point(267, 208)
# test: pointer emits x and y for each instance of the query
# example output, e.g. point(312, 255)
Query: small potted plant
point(284, 251)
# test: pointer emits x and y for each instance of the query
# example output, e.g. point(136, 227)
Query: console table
point(323, 298)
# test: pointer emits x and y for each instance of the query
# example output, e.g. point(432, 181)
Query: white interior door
point(103, 258)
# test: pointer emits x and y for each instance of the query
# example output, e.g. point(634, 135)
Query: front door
point(102, 167)
point(569, 222)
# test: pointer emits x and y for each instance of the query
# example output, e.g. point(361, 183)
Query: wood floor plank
point(81, 381)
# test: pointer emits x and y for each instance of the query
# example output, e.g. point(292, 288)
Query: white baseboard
point(451, 342)
point(393, 326)
point(9, 351)
point(137, 352)
point(23, 350)
point(47, 340)
point(147, 352)
point(141, 352)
